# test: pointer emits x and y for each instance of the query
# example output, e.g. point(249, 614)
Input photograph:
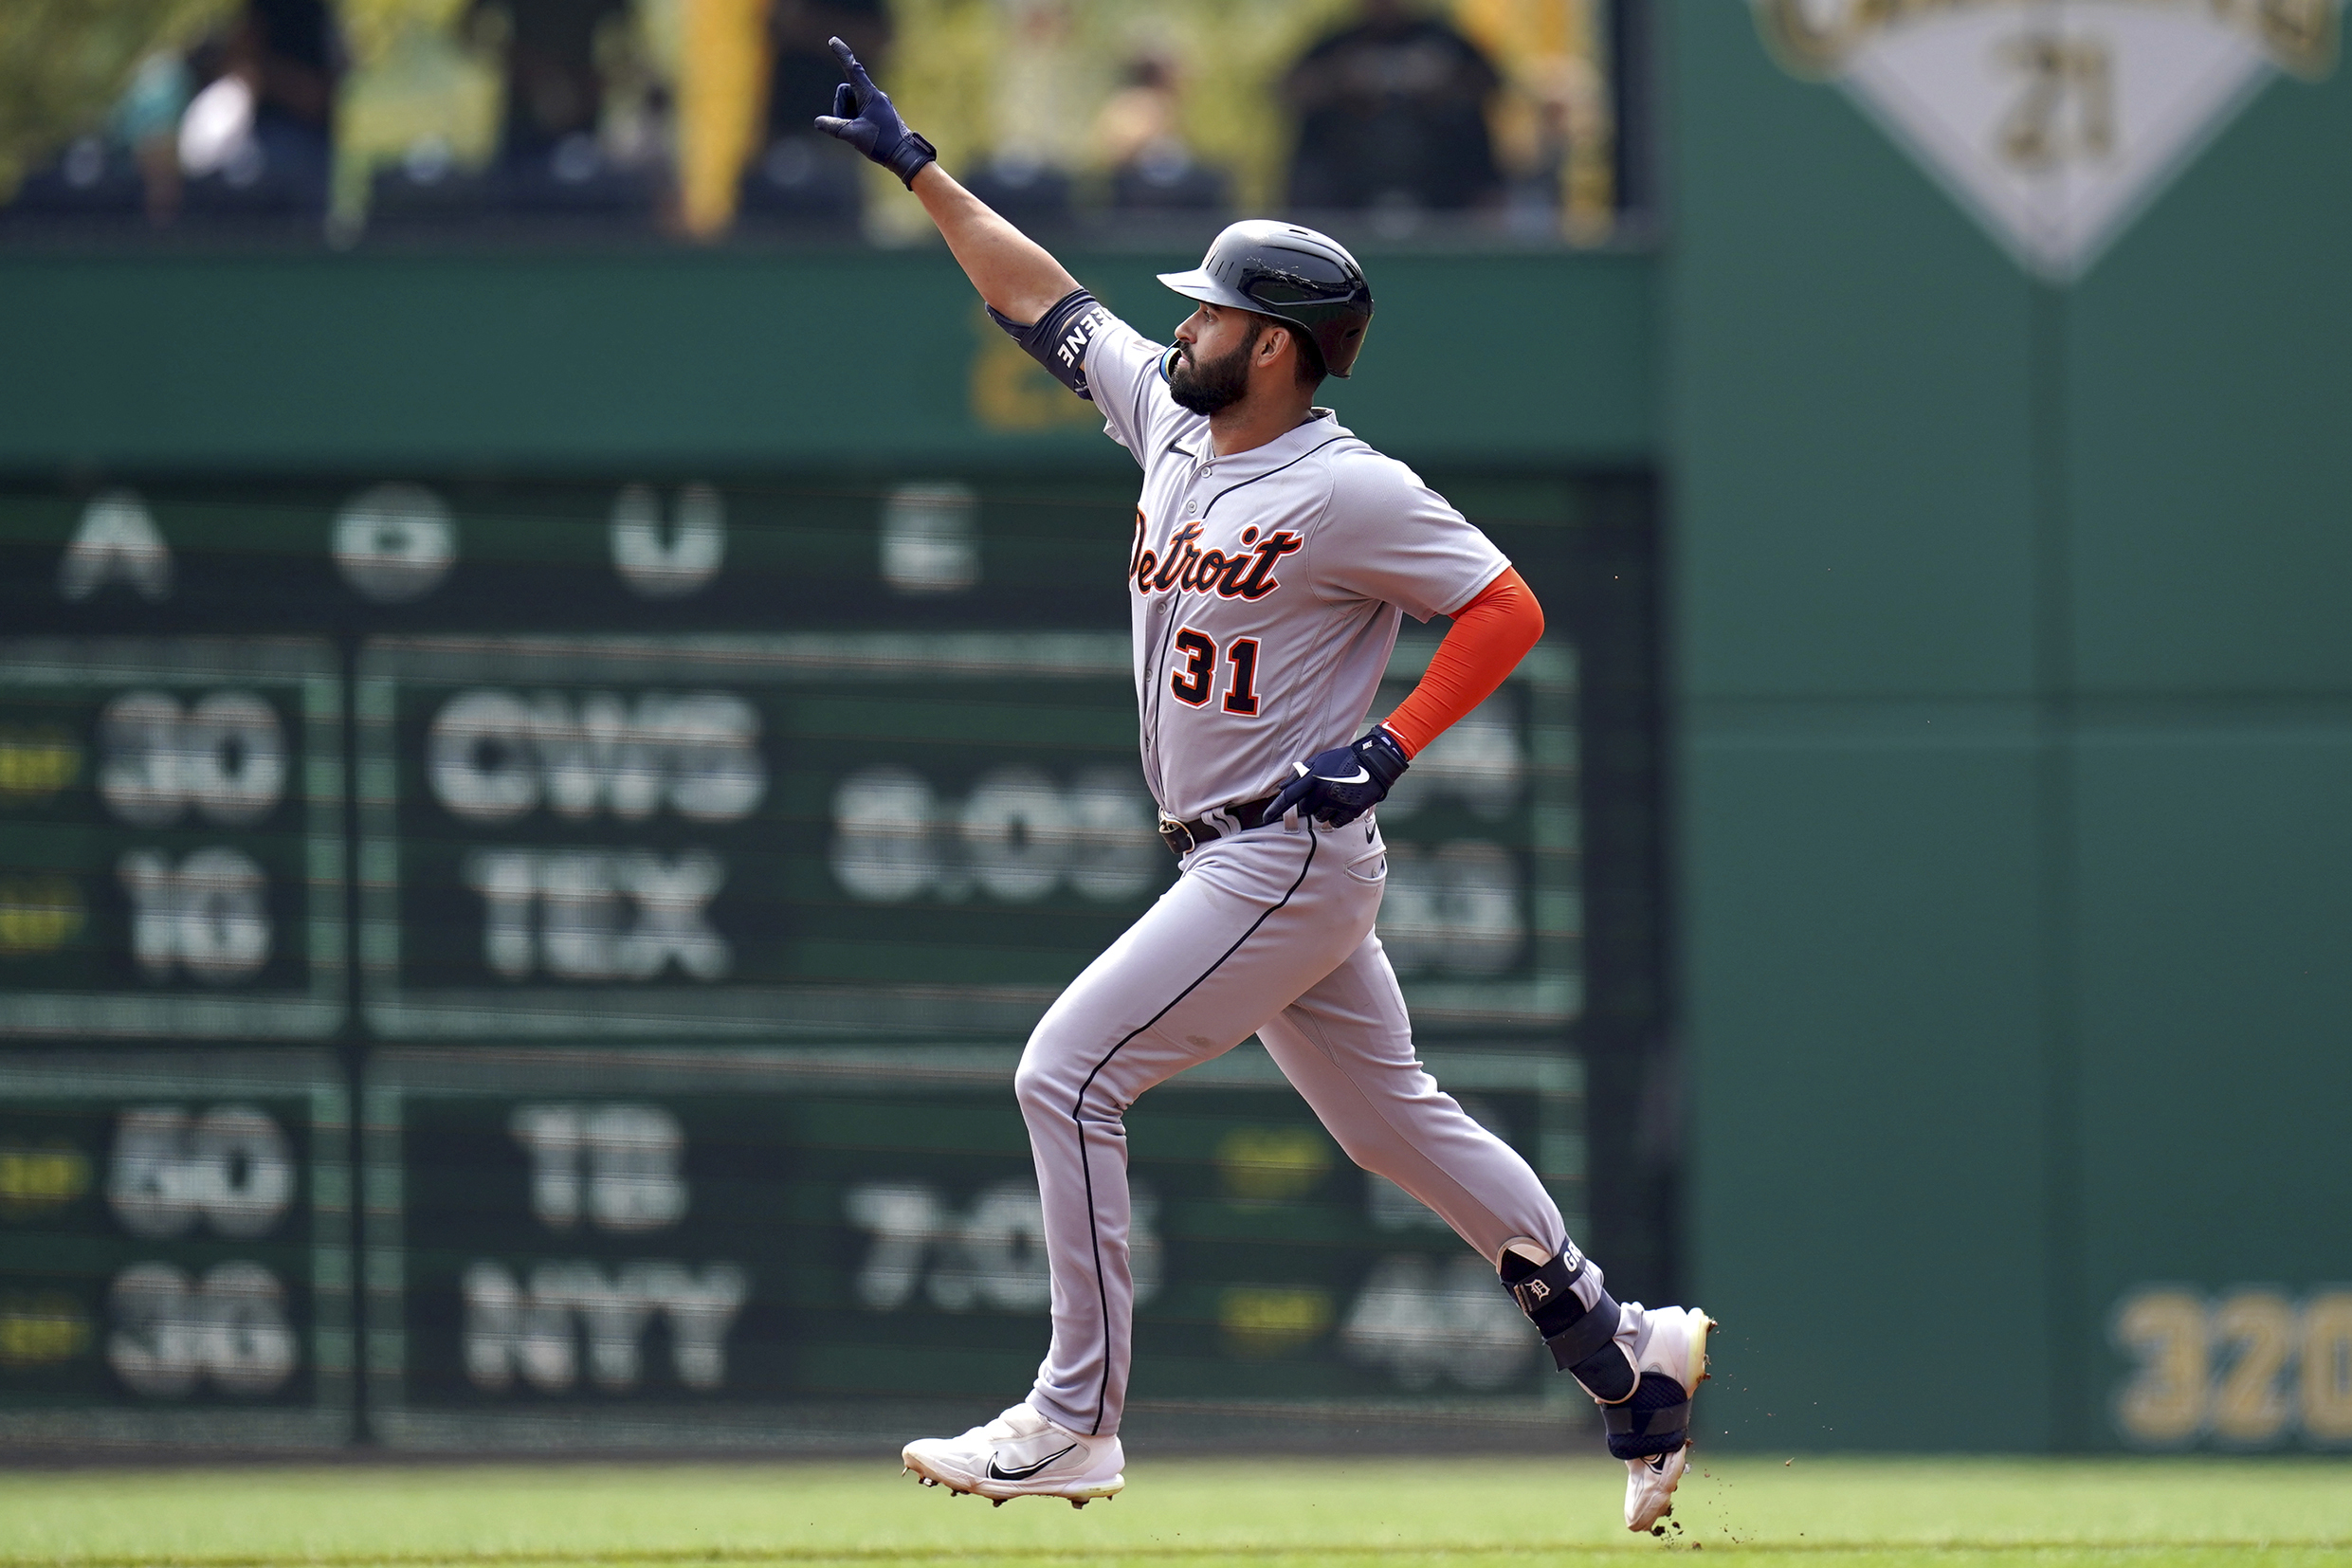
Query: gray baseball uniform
point(1267, 589)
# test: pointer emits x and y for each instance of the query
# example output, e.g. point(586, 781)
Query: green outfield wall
point(737, 358)
point(2015, 731)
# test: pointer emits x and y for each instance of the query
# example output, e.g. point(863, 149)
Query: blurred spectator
point(799, 175)
point(584, 130)
point(554, 92)
point(1037, 112)
point(1140, 134)
point(1536, 145)
point(257, 139)
point(146, 121)
point(128, 169)
point(1392, 117)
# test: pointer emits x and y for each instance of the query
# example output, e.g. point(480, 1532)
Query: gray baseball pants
point(1268, 933)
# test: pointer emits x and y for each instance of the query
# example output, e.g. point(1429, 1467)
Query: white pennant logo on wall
point(2056, 121)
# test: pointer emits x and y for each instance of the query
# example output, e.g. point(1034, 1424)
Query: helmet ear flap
point(1311, 367)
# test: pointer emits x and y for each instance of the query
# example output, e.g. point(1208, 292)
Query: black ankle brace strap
point(1655, 1420)
point(1574, 1334)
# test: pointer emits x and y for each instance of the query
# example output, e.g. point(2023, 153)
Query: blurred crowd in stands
point(692, 118)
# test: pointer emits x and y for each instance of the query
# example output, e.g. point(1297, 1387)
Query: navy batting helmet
point(1292, 274)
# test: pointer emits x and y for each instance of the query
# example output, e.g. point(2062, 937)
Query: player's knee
point(1058, 1076)
point(1042, 1082)
point(1032, 1082)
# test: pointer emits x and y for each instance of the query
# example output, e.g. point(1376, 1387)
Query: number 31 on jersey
point(1191, 684)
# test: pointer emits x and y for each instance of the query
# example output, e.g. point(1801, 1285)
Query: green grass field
point(1384, 1513)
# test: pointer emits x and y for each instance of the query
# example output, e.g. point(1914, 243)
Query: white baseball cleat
point(1020, 1454)
point(1669, 1353)
point(1650, 1486)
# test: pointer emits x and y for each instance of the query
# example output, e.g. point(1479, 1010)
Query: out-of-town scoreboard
point(542, 965)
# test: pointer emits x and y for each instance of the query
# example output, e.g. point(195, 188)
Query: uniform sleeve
point(1122, 371)
point(1389, 537)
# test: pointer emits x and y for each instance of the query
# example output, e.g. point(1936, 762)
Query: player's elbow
point(1527, 618)
point(1517, 615)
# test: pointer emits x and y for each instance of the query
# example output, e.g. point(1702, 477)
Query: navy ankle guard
point(1582, 1338)
point(1655, 1420)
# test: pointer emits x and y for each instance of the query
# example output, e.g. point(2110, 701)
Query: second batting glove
point(864, 118)
point(1343, 783)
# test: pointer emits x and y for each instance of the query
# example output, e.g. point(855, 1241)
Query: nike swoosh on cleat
point(1026, 1470)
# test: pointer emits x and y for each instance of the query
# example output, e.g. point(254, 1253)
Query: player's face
point(1214, 348)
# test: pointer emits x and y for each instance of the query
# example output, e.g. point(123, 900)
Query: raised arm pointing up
point(1018, 277)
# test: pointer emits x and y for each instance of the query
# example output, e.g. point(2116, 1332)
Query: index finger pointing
point(850, 66)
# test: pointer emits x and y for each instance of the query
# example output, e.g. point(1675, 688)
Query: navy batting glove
point(862, 117)
point(1343, 783)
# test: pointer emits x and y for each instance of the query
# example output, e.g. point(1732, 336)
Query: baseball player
point(1274, 554)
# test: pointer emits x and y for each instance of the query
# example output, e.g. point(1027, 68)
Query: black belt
point(1182, 838)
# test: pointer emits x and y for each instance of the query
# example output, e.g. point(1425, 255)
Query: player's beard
point(1209, 386)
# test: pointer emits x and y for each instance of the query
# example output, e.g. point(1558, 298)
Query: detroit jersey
point(1265, 588)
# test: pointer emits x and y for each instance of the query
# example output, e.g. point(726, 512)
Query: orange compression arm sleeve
point(1490, 636)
